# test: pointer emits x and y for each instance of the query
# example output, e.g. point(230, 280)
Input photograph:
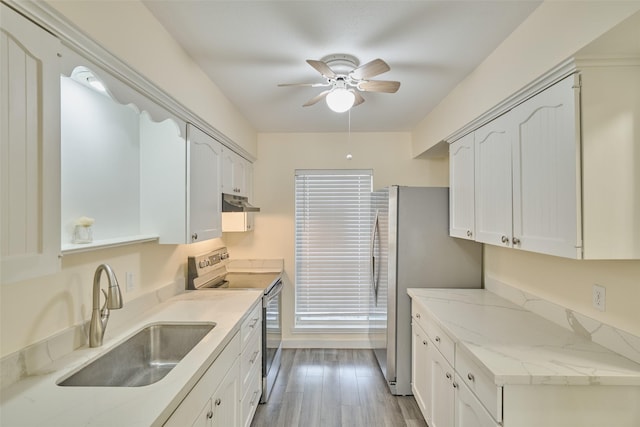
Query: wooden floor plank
point(334, 388)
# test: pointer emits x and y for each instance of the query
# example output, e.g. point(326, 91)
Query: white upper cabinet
point(546, 152)
point(181, 199)
point(237, 174)
point(493, 203)
point(557, 174)
point(205, 175)
point(30, 149)
point(461, 188)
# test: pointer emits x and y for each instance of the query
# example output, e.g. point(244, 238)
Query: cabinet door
point(546, 155)
point(29, 149)
point(469, 412)
point(421, 371)
point(205, 157)
point(461, 188)
point(442, 392)
point(226, 400)
point(493, 206)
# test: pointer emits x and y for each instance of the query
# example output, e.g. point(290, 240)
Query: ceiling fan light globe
point(340, 100)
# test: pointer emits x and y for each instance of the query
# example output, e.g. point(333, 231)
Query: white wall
point(388, 154)
point(554, 32)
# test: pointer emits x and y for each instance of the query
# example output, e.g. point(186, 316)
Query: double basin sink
point(145, 358)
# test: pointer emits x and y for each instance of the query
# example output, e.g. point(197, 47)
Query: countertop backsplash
point(614, 339)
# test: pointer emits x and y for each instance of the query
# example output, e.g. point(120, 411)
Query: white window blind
point(333, 232)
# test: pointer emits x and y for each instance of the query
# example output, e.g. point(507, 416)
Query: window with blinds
point(333, 234)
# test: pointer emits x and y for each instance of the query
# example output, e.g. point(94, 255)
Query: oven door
point(271, 338)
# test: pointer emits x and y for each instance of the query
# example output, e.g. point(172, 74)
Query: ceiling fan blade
point(359, 99)
point(379, 86)
point(370, 69)
point(322, 68)
point(303, 84)
point(316, 98)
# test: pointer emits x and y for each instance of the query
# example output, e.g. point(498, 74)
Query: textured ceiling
point(248, 47)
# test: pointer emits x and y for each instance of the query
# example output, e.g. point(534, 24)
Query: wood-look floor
point(334, 388)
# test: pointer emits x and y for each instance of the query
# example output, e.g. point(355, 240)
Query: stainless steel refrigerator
point(411, 248)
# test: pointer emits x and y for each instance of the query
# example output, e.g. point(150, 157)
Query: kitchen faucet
point(99, 317)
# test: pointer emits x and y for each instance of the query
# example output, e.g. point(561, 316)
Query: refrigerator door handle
point(374, 281)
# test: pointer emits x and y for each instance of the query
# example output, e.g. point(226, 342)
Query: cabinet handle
point(505, 240)
point(194, 236)
point(210, 414)
point(417, 315)
point(471, 377)
point(448, 375)
point(254, 357)
point(253, 398)
point(469, 233)
point(437, 339)
point(218, 402)
point(253, 322)
point(516, 241)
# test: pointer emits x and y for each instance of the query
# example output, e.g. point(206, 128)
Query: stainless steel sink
point(143, 359)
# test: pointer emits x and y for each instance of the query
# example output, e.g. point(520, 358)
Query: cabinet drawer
point(251, 396)
point(469, 411)
point(419, 315)
point(441, 341)
point(251, 325)
point(481, 384)
point(250, 358)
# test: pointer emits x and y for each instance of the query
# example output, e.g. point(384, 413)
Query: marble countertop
point(37, 400)
point(516, 346)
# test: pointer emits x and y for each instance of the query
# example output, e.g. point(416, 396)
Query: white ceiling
point(248, 47)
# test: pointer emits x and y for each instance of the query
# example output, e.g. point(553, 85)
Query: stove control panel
point(200, 266)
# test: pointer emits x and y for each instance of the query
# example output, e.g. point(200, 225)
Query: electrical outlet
point(130, 282)
point(599, 297)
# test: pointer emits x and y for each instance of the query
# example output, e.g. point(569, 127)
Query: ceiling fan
point(345, 79)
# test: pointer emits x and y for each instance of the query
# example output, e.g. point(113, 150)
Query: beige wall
point(388, 154)
point(36, 309)
point(129, 31)
point(33, 310)
point(569, 283)
point(554, 32)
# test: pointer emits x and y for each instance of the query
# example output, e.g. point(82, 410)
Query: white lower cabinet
point(420, 372)
point(469, 412)
point(443, 385)
point(215, 396)
point(251, 365)
point(457, 390)
point(228, 393)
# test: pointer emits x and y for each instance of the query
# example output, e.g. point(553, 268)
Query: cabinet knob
point(417, 315)
point(210, 414)
point(424, 342)
point(455, 384)
point(516, 241)
point(469, 233)
point(437, 339)
point(448, 375)
point(218, 402)
point(471, 377)
point(194, 236)
point(505, 240)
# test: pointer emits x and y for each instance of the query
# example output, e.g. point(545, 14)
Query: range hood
point(232, 203)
